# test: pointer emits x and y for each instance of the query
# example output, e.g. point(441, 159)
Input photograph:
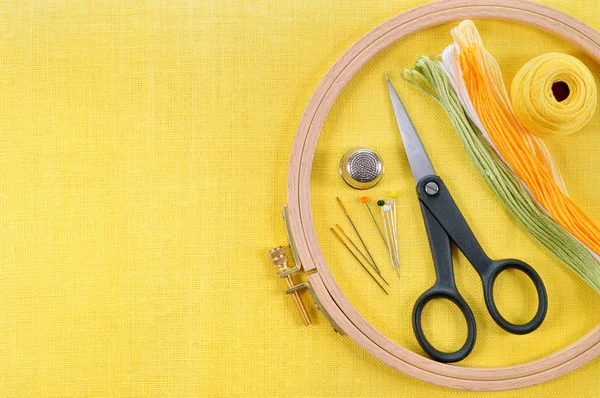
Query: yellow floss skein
point(534, 101)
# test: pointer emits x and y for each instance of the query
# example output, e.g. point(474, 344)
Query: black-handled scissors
point(445, 223)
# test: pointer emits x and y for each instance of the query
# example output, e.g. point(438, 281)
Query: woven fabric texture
point(143, 169)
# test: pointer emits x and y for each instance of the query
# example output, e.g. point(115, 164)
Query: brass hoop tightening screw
point(280, 261)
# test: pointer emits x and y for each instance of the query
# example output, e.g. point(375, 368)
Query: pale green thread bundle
point(429, 76)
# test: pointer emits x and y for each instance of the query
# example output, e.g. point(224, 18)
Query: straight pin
point(388, 216)
point(388, 242)
point(365, 200)
point(392, 204)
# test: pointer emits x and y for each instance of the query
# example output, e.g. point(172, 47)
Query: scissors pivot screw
point(431, 188)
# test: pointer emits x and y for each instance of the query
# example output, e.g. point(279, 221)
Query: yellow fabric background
point(142, 172)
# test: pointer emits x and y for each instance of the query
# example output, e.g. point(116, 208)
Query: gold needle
point(356, 258)
point(357, 234)
point(354, 246)
point(363, 256)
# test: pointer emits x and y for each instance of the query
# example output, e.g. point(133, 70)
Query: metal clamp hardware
point(280, 260)
point(298, 267)
point(307, 285)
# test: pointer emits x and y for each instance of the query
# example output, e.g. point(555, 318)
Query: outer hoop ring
point(301, 221)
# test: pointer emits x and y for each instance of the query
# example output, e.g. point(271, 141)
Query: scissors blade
point(415, 151)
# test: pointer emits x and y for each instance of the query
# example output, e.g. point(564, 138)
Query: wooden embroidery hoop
point(300, 215)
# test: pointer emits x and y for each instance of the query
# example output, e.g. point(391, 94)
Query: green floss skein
point(429, 76)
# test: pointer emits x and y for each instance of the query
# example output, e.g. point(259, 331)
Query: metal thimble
point(361, 167)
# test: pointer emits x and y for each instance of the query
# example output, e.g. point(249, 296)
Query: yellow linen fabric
point(143, 168)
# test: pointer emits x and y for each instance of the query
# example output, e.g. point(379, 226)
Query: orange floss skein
point(524, 152)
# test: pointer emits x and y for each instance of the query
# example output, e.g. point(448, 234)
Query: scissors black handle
point(444, 223)
point(488, 277)
point(444, 288)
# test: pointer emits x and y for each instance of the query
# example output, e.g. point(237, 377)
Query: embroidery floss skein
point(469, 48)
point(554, 94)
point(431, 77)
point(483, 79)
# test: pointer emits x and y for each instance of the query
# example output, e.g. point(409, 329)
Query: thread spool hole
point(560, 91)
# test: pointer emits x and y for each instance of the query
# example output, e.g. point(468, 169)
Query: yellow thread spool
point(554, 94)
